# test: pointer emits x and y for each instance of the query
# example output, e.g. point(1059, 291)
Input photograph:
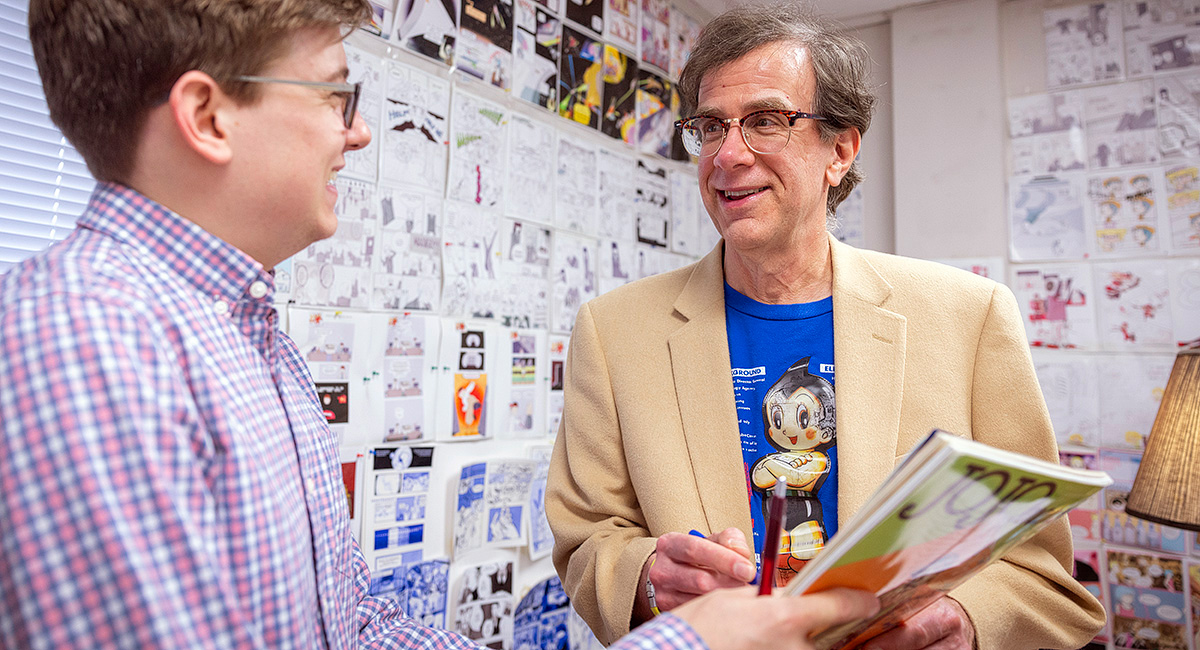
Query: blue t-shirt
point(782, 361)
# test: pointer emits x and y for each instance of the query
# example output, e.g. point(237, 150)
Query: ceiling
point(851, 12)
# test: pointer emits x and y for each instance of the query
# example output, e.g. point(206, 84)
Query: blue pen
point(695, 533)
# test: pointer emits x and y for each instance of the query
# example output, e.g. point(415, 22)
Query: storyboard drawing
point(485, 41)
point(541, 539)
point(652, 260)
point(529, 192)
point(395, 512)
point(469, 520)
point(1134, 305)
point(1178, 100)
point(426, 588)
point(580, 82)
point(484, 607)
point(1057, 305)
point(1160, 36)
point(428, 27)
point(621, 26)
point(407, 268)
point(1120, 125)
point(478, 129)
point(369, 70)
point(574, 278)
point(1047, 133)
point(1083, 44)
point(526, 409)
point(469, 351)
point(535, 55)
point(336, 272)
point(1046, 217)
point(656, 122)
point(471, 286)
point(1125, 209)
point(588, 14)
point(656, 33)
point(616, 195)
point(407, 356)
point(620, 95)
point(685, 213)
point(617, 262)
point(525, 269)
point(558, 345)
point(506, 496)
point(1182, 184)
point(415, 137)
point(684, 32)
point(575, 188)
point(652, 204)
point(1184, 285)
point(1131, 388)
point(1072, 392)
point(328, 340)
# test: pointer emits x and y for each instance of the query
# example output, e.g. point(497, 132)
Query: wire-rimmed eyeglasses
point(765, 131)
point(350, 92)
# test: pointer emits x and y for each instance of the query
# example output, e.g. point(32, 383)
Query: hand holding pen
point(685, 566)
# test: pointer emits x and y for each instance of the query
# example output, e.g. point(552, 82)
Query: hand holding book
point(950, 509)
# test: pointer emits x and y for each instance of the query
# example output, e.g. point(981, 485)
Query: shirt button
point(221, 307)
point(258, 289)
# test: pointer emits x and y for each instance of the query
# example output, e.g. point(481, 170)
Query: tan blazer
point(649, 439)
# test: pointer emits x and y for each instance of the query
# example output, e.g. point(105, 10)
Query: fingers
point(941, 626)
point(816, 612)
point(733, 539)
point(727, 567)
point(779, 622)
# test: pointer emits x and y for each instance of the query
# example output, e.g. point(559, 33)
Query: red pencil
point(770, 550)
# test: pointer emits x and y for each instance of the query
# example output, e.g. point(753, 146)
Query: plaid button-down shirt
point(167, 479)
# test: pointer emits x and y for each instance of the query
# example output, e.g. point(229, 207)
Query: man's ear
point(200, 110)
point(845, 150)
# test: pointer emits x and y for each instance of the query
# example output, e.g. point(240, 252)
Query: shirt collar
point(213, 266)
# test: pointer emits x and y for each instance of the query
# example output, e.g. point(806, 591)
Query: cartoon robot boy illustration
point(798, 418)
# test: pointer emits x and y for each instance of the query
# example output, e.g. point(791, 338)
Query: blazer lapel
point(868, 349)
point(704, 389)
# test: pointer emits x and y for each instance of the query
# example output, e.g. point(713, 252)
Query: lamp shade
point(1167, 487)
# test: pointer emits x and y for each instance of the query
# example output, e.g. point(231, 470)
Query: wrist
point(641, 605)
point(649, 586)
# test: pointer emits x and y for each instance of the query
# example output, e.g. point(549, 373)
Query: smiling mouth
point(734, 195)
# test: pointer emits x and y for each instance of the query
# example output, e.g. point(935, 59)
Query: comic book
point(951, 508)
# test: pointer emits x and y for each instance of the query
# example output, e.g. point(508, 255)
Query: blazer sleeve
point(601, 539)
point(1028, 599)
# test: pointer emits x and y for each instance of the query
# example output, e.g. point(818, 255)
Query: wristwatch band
point(650, 590)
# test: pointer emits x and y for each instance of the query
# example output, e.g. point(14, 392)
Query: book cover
point(950, 509)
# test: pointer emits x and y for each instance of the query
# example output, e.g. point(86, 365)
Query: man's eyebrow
point(756, 105)
point(340, 76)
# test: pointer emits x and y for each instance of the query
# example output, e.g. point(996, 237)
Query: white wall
point(948, 130)
point(875, 157)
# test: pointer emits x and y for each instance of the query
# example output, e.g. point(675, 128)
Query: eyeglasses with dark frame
point(765, 131)
point(350, 92)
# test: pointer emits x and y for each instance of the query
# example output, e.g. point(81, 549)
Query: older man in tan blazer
point(649, 443)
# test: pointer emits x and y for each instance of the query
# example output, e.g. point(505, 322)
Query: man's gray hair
point(840, 63)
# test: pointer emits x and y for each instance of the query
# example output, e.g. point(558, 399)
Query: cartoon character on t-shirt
point(798, 415)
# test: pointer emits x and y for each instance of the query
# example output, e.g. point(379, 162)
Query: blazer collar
point(868, 350)
point(704, 390)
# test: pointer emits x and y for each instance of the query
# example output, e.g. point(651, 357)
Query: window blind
point(44, 184)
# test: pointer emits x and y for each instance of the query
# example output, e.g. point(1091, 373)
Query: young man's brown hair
point(105, 63)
